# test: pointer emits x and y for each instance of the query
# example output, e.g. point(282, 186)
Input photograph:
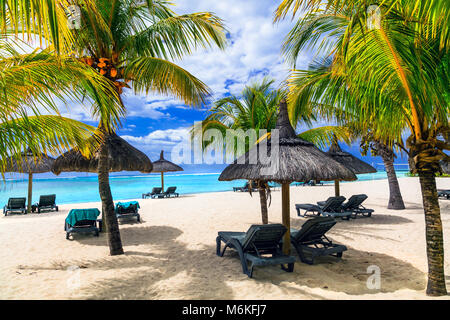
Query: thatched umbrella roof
point(122, 157)
point(350, 161)
point(29, 163)
point(299, 160)
point(162, 165)
point(357, 166)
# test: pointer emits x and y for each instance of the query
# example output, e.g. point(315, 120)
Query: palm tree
point(308, 87)
point(130, 43)
point(257, 109)
point(399, 81)
point(31, 82)
point(133, 42)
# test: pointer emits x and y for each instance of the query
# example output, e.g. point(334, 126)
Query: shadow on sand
point(166, 268)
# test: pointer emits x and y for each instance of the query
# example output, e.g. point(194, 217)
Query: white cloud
point(254, 51)
point(158, 140)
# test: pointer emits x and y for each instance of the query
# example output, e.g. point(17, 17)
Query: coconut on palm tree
point(30, 84)
point(396, 82)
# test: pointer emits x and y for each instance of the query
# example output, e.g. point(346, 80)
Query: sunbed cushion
point(126, 205)
point(76, 215)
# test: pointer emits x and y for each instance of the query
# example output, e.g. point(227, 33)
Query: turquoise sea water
point(85, 189)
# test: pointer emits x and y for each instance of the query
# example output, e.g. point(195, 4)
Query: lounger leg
point(218, 244)
point(302, 255)
point(290, 267)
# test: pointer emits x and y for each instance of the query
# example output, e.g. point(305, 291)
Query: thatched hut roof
point(299, 160)
point(30, 163)
point(122, 157)
point(163, 165)
point(350, 161)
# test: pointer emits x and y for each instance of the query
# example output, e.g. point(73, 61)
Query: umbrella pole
point(162, 181)
point(286, 217)
point(30, 191)
point(337, 191)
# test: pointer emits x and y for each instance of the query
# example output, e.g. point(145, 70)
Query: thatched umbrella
point(162, 165)
point(122, 157)
point(357, 166)
point(30, 164)
point(298, 160)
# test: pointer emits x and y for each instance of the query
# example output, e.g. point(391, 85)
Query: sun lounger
point(170, 192)
point(331, 207)
point(245, 188)
point(15, 205)
point(354, 204)
point(309, 183)
point(155, 192)
point(81, 221)
point(310, 241)
point(443, 194)
point(46, 202)
point(259, 246)
point(125, 210)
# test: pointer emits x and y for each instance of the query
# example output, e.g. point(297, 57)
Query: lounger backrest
point(156, 190)
point(314, 229)
point(354, 202)
point(171, 189)
point(16, 203)
point(47, 200)
point(333, 203)
point(263, 237)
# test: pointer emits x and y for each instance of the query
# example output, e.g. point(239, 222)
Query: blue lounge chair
point(16, 205)
point(311, 242)
point(126, 210)
point(170, 192)
point(155, 192)
point(81, 221)
point(259, 246)
point(331, 207)
point(46, 202)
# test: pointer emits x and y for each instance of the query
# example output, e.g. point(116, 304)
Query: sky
point(156, 123)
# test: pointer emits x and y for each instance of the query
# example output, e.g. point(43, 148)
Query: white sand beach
point(171, 254)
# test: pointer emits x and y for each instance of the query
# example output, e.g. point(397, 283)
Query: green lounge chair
point(170, 192)
point(331, 207)
point(81, 221)
point(445, 194)
point(311, 242)
point(155, 192)
point(259, 246)
point(15, 205)
point(126, 210)
point(46, 202)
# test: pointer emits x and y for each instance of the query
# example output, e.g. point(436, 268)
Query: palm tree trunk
point(263, 200)
point(395, 196)
point(434, 236)
point(111, 224)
